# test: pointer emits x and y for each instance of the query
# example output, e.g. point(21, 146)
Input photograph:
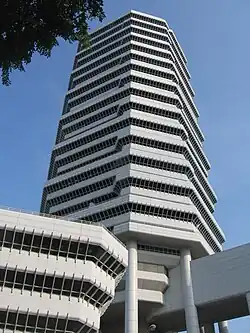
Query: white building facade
point(129, 153)
point(56, 275)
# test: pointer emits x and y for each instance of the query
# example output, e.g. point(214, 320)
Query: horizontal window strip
point(128, 38)
point(122, 108)
point(44, 283)
point(163, 146)
point(140, 161)
point(16, 321)
point(117, 126)
point(179, 63)
point(149, 19)
point(116, 149)
point(120, 61)
point(119, 83)
point(120, 52)
point(109, 111)
point(113, 31)
point(137, 25)
point(127, 21)
point(98, 82)
point(94, 107)
point(110, 25)
point(158, 249)
point(164, 99)
point(167, 188)
point(153, 211)
point(133, 182)
point(147, 210)
point(124, 18)
point(114, 165)
point(131, 29)
point(56, 246)
point(84, 153)
point(175, 42)
point(110, 59)
point(138, 68)
point(118, 72)
point(180, 150)
point(91, 120)
point(138, 140)
point(81, 191)
point(132, 78)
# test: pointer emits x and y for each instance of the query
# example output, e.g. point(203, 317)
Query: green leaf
point(34, 26)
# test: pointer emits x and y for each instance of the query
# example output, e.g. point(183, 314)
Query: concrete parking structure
point(56, 275)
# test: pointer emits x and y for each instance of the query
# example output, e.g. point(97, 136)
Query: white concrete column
point(131, 298)
point(191, 315)
point(209, 328)
point(248, 301)
point(223, 327)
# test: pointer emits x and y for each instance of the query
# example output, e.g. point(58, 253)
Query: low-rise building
point(56, 275)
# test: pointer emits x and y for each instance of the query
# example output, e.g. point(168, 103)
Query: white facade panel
point(85, 314)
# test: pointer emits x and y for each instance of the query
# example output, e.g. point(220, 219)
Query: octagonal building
point(129, 153)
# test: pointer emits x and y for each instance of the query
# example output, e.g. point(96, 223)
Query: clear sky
point(215, 37)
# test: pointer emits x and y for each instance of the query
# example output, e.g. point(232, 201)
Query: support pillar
point(131, 298)
point(209, 328)
point(248, 301)
point(223, 327)
point(191, 315)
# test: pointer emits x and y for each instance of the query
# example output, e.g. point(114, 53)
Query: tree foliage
point(30, 26)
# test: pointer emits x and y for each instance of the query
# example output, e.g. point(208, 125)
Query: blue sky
point(215, 37)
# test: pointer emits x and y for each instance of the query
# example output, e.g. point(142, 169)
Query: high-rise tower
point(129, 153)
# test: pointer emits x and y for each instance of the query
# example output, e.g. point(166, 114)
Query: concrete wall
point(223, 275)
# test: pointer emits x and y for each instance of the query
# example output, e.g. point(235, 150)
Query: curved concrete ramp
point(221, 283)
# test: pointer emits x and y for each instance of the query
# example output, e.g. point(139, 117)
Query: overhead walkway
point(221, 285)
